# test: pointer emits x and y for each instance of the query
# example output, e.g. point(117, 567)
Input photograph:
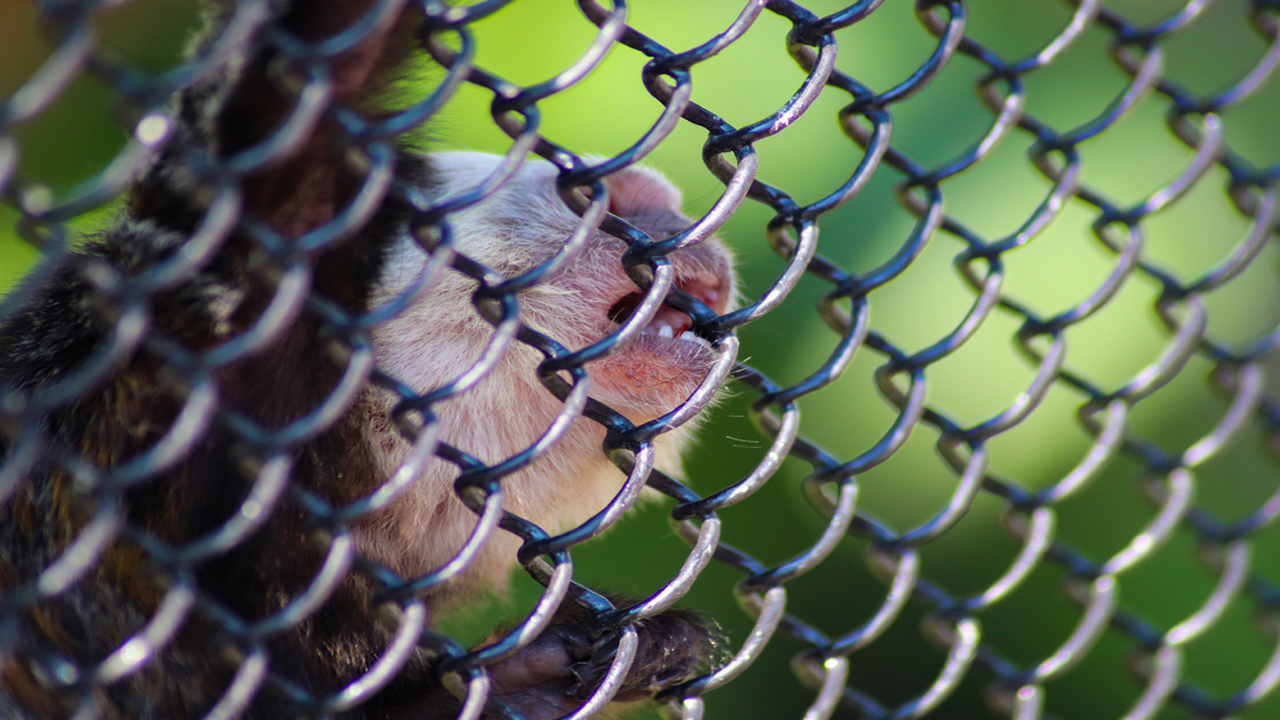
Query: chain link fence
point(1118, 159)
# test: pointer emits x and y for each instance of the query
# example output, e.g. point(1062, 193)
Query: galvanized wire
point(1168, 475)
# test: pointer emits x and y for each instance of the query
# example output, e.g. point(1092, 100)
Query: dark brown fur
point(44, 642)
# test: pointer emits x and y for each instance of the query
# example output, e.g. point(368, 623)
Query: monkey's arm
point(255, 282)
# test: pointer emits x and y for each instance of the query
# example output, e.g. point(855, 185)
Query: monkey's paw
point(554, 674)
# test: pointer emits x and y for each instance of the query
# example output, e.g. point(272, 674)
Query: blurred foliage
point(530, 41)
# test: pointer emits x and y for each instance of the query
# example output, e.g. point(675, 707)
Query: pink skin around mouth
point(660, 368)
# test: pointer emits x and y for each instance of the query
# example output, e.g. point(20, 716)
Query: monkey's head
point(524, 224)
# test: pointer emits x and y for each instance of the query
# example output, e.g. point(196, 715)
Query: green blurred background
point(532, 40)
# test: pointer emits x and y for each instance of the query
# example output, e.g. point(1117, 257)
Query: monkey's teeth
point(688, 336)
point(666, 331)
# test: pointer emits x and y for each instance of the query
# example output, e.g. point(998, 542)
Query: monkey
point(231, 381)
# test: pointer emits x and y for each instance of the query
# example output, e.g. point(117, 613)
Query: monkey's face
point(525, 224)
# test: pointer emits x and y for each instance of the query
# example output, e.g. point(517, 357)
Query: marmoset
point(252, 359)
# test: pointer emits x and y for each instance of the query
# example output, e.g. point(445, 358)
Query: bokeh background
point(527, 42)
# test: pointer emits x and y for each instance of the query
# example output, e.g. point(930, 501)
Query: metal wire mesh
point(1235, 552)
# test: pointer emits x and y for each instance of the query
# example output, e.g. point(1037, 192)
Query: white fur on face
point(441, 335)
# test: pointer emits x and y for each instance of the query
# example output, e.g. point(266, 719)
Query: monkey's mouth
point(662, 366)
point(667, 362)
point(669, 323)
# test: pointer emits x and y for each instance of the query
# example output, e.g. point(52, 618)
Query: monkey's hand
point(556, 673)
point(674, 647)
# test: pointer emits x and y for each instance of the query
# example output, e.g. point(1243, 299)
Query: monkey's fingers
point(674, 647)
point(539, 681)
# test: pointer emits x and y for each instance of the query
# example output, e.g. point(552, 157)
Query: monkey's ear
point(639, 191)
